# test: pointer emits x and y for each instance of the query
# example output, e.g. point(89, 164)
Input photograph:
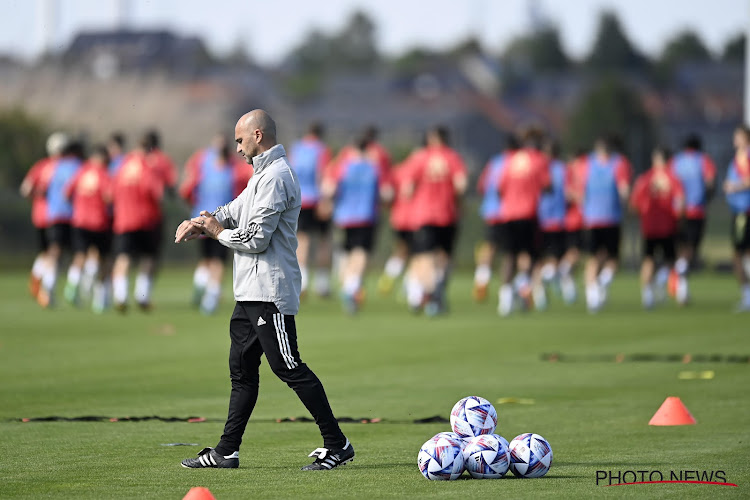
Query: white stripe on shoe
point(213, 462)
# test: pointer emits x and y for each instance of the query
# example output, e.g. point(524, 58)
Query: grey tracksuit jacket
point(261, 228)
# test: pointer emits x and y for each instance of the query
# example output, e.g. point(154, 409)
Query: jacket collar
point(267, 157)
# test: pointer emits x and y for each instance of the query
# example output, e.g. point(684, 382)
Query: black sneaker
point(208, 457)
point(326, 459)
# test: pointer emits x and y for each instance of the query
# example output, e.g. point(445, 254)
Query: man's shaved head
point(254, 133)
point(261, 120)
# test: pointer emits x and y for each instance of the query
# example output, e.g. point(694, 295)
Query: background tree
point(612, 107)
point(22, 140)
point(734, 50)
point(613, 50)
point(540, 51)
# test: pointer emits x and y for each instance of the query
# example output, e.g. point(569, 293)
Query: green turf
point(384, 363)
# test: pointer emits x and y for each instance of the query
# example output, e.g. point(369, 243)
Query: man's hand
point(187, 230)
point(193, 228)
point(211, 226)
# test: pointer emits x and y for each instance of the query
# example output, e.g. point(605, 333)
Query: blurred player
point(59, 215)
point(435, 180)
point(309, 157)
point(90, 194)
point(34, 186)
point(402, 223)
point(697, 173)
point(658, 198)
point(573, 226)
point(137, 191)
point(212, 179)
point(116, 152)
point(490, 211)
point(737, 190)
point(525, 176)
point(353, 188)
point(552, 211)
point(606, 185)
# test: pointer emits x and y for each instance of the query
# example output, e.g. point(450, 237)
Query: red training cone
point(672, 412)
point(198, 493)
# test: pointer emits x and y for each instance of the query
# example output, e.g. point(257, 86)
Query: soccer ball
point(473, 416)
point(486, 457)
point(530, 455)
point(451, 435)
point(503, 440)
point(441, 459)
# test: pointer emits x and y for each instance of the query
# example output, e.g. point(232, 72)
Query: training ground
point(386, 364)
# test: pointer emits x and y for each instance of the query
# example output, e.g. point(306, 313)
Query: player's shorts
point(495, 234)
point(309, 222)
point(431, 238)
point(359, 237)
point(41, 238)
point(741, 232)
point(604, 238)
point(145, 243)
point(574, 240)
point(212, 249)
point(59, 234)
point(690, 232)
point(84, 239)
point(521, 236)
point(660, 247)
point(554, 244)
point(406, 236)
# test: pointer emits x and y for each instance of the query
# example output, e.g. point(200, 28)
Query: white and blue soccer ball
point(486, 457)
point(503, 440)
point(441, 459)
point(530, 455)
point(451, 435)
point(473, 416)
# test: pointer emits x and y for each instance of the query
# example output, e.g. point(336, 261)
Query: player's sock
point(548, 273)
point(322, 282)
point(564, 268)
point(394, 266)
point(568, 288)
point(90, 269)
point(37, 269)
point(46, 291)
point(142, 290)
point(746, 297)
point(682, 293)
point(660, 284)
point(351, 285)
point(210, 300)
point(681, 266)
point(201, 277)
point(647, 296)
point(593, 300)
point(70, 292)
point(305, 278)
point(505, 300)
point(540, 297)
point(120, 289)
point(746, 266)
point(414, 293)
point(606, 276)
point(482, 275)
point(99, 297)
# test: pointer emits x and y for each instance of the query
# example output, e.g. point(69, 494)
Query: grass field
point(384, 363)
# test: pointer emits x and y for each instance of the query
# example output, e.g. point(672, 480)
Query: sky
point(271, 28)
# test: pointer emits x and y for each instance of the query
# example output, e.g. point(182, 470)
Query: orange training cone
point(672, 412)
point(198, 493)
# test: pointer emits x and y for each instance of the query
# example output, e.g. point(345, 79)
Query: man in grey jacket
point(260, 225)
